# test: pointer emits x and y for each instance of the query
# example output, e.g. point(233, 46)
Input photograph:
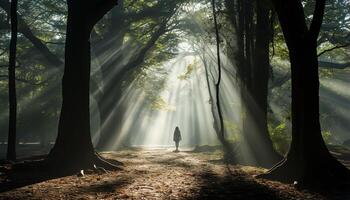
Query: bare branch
point(333, 48)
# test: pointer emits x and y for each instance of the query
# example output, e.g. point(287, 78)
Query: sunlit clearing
point(150, 116)
point(179, 92)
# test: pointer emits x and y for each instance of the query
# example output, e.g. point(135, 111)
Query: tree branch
point(27, 32)
point(333, 48)
point(317, 19)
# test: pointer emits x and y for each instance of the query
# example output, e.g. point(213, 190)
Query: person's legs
point(177, 145)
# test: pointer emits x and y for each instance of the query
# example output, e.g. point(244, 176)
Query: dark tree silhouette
point(73, 147)
point(229, 155)
point(253, 67)
point(308, 160)
point(11, 144)
point(217, 84)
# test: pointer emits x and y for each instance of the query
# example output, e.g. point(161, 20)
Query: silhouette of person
point(177, 138)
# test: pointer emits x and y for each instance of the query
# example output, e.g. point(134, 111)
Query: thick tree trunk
point(256, 131)
point(308, 161)
point(73, 148)
point(252, 58)
point(73, 144)
point(11, 144)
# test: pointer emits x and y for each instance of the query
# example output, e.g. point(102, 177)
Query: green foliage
point(280, 138)
point(189, 70)
point(327, 135)
point(160, 104)
point(151, 80)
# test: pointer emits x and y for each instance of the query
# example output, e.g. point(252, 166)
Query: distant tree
point(229, 155)
point(73, 148)
point(39, 64)
point(221, 131)
point(308, 160)
point(11, 144)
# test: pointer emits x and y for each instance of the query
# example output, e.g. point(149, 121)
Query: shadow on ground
point(159, 174)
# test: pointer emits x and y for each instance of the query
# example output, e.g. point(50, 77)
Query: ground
point(163, 174)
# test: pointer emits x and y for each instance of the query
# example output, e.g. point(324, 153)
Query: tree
point(257, 134)
point(11, 144)
point(308, 160)
point(73, 147)
point(229, 155)
point(38, 71)
point(253, 68)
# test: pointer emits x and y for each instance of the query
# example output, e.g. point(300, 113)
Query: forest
point(175, 99)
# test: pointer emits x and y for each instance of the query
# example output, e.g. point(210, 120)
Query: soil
point(158, 174)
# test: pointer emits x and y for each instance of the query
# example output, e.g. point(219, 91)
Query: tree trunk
point(256, 129)
point(73, 144)
point(11, 144)
point(73, 148)
point(229, 154)
point(308, 161)
point(252, 58)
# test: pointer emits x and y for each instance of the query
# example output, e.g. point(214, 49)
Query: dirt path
point(163, 174)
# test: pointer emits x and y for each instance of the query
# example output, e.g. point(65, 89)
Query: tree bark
point(11, 144)
point(308, 161)
point(74, 124)
point(252, 58)
point(73, 147)
point(217, 84)
point(258, 137)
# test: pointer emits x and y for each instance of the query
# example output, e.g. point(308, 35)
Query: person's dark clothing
point(177, 137)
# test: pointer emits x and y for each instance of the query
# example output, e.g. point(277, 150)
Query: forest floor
point(164, 174)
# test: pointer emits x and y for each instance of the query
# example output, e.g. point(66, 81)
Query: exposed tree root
point(318, 173)
point(105, 164)
point(67, 165)
point(275, 158)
